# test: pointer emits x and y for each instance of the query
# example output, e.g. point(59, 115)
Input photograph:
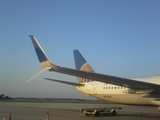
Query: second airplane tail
point(81, 64)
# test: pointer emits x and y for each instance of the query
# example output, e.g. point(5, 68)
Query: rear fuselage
point(118, 94)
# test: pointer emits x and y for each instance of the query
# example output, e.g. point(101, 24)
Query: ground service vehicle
point(99, 111)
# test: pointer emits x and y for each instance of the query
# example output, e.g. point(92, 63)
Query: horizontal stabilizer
point(69, 83)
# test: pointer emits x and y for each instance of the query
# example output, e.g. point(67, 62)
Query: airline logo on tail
point(81, 64)
point(86, 67)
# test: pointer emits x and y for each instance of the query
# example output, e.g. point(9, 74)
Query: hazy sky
point(117, 37)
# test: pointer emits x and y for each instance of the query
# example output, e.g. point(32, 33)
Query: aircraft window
point(106, 87)
point(109, 87)
point(103, 87)
point(112, 87)
point(115, 87)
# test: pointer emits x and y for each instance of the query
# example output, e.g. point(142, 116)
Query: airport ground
point(70, 111)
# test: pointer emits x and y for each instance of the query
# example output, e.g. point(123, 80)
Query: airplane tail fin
point(81, 64)
point(43, 59)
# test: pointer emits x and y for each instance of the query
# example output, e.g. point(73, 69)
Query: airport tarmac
point(70, 111)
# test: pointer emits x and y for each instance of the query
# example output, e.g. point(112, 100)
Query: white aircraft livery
point(140, 91)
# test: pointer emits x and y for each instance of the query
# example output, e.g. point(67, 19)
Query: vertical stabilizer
point(81, 64)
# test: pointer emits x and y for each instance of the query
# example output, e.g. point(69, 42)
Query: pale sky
point(117, 37)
